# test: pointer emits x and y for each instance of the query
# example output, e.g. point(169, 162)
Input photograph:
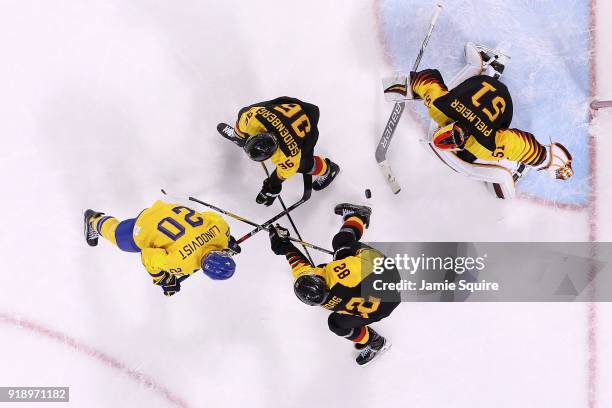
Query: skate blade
point(384, 348)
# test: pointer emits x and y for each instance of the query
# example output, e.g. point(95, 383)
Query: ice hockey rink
point(105, 102)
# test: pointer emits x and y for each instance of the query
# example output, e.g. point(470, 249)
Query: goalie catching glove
point(558, 164)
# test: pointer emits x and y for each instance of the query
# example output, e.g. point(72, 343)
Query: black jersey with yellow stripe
point(350, 281)
point(294, 124)
point(481, 105)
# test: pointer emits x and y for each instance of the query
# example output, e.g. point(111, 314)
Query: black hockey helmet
point(311, 289)
point(261, 146)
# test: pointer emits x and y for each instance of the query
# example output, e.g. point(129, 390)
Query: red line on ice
point(97, 355)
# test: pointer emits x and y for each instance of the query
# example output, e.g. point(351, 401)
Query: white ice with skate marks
point(106, 102)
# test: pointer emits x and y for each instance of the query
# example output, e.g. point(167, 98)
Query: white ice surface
point(104, 102)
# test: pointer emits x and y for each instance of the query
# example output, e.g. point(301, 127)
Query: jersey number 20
point(173, 229)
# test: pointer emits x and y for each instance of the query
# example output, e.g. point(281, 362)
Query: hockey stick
point(226, 131)
point(396, 114)
point(305, 197)
point(265, 226)
point(601, 104)
point(280, 199)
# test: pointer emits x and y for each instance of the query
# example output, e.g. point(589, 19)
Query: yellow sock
point(106, 226)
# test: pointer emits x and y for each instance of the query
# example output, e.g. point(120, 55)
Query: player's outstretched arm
point(519, 146)
point(428, 85)
point(282, 246)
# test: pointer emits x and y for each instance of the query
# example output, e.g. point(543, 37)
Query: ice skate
point(347, 210)
point(91, 235)
point(378, 345)
point(325, 180)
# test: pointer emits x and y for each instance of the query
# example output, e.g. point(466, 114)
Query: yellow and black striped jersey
point(349, 280)
point(483, 107)
point(293, 122)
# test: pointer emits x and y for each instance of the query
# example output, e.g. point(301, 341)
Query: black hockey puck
point(368, 193)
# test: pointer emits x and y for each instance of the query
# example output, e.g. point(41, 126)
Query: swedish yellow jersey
point(293, 122)
point(175, 238)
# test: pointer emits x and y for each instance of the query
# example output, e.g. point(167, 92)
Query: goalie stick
point(396, 114)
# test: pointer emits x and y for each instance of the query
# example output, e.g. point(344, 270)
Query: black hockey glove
point(233, 245)
point(170, 284)
point(279, 241)
point(268, 193)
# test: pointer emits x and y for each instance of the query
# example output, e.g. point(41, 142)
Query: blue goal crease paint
point(548, 74)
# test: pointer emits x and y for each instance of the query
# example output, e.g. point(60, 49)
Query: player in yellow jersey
point(174, 241)
point(284, 130)
point(344, 285)
point(474, 119)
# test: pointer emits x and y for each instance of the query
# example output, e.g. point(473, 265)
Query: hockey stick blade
point(389, 176)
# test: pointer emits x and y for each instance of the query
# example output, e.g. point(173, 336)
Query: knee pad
point(342, 239)
point(331, 322)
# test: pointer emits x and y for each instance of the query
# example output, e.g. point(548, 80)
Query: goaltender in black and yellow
point(474, 116)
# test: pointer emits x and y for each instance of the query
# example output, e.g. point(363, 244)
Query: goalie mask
point(261, 147)
point(450, 137)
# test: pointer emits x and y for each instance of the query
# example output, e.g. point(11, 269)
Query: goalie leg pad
point(498, 178)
